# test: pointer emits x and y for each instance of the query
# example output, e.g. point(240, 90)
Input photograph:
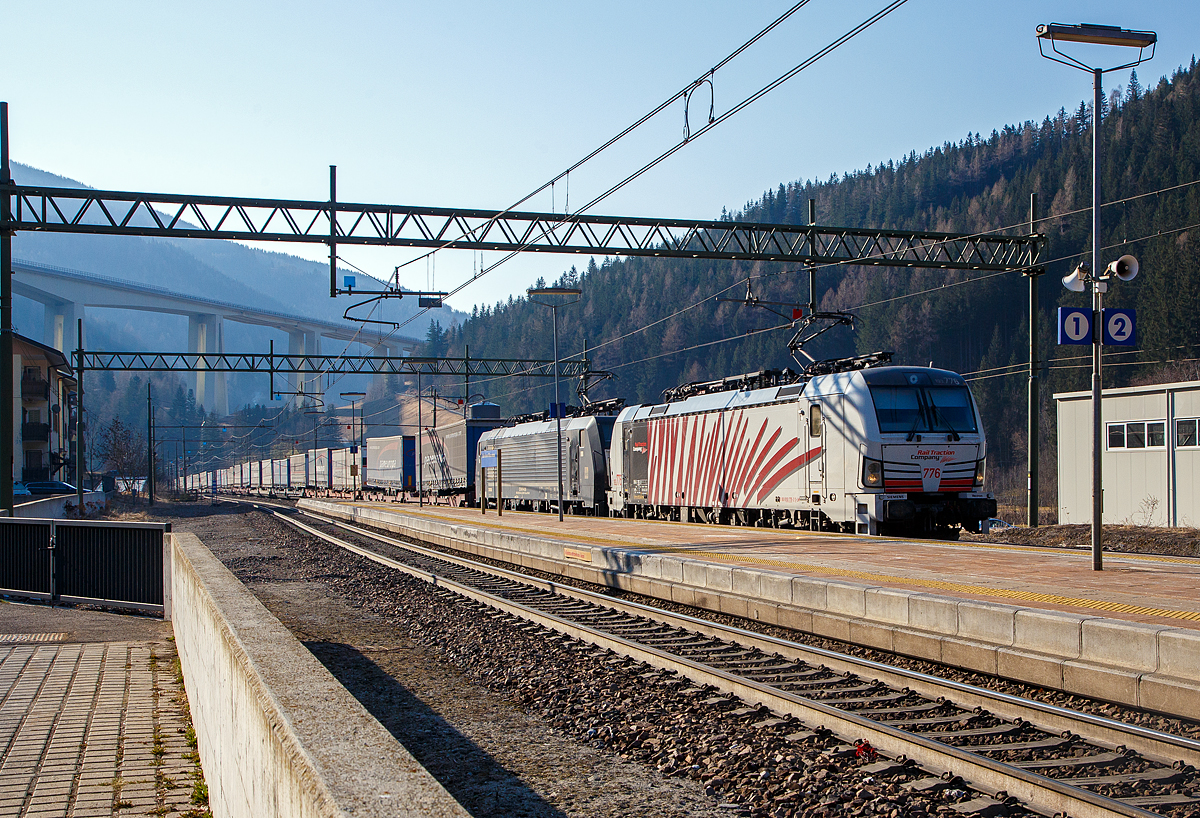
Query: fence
point(110, 563)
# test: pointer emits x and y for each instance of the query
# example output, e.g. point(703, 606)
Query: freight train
point(876, 450)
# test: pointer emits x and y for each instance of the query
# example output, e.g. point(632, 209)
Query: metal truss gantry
point(71, 210)
point(309, 365)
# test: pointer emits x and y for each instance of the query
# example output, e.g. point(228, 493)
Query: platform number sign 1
point(1074, 325)
point(1120, 328)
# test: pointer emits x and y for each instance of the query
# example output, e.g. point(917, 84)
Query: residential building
point(45, 394)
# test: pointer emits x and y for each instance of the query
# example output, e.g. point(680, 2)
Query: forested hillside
point(657, 322)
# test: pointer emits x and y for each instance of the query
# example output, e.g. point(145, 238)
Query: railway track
point(931, 732)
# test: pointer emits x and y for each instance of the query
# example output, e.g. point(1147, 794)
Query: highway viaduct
point(65, 293)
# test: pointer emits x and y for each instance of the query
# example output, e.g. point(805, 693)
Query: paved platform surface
point(91, 717)
point(1134, 587)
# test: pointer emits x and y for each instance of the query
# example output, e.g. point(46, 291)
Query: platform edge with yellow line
point(1152, 666)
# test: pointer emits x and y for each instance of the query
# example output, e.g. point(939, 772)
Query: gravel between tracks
point(515, 724)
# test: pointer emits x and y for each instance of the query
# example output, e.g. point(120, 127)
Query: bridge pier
point(302, 342)
point(60, 329)
point(206, 334)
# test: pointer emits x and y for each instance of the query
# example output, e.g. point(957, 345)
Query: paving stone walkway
point(92, 729)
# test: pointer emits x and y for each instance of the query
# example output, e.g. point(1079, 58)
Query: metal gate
point(111, 563)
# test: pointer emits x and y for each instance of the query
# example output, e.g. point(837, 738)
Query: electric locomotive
point(883, 450)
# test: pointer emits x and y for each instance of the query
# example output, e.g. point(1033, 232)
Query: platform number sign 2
point(1120, 328)
point(1074, 325)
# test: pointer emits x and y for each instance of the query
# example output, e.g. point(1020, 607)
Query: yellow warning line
point(981, 590)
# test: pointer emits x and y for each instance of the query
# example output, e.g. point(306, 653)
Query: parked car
point(20, 490)
point(47, 487)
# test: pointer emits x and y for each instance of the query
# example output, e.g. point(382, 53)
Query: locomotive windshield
point(923, 409)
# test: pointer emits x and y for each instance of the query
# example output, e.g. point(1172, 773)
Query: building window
point(1156, 435)
point(1139, 434)
point(1116, 435)
point(1135, 435)
point(1185, 433)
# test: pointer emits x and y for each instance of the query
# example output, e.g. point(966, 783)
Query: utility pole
point(79, 460)
point(150, 439)
point(1034, 274)
point(7, 392)
point(812, 265)
point(420, 440)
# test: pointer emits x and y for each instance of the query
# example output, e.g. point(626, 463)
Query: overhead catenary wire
point(843, 39)
point(680, 94)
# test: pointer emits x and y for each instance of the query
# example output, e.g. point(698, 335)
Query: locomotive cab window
point(814, 420)
point(920, 408)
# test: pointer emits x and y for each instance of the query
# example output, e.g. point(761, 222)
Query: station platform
point(1133, 587)
point(1129, 633)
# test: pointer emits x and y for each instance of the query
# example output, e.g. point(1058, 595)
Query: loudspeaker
point(1074, 281)
point(1124, 268)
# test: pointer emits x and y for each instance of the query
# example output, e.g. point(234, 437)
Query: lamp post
point(1054, 33)
point(362, 457)
point(555, 297)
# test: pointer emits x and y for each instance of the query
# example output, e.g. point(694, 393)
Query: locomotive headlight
point(872, 476)
point(979, 471)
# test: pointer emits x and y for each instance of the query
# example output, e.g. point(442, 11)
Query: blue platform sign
point(558, 410)
point(1120, 328)
point(488, 458)
point(1074, 325)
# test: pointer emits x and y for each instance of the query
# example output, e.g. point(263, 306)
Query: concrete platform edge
point(278, 735)
point(1125, 662)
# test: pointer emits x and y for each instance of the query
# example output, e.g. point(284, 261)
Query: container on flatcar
point(879, 450)
point(447, 453)
point(529, 472)
point(280, 474)
point(298, 477)
point(391, 463)
point(343, 478)
point(319, 468)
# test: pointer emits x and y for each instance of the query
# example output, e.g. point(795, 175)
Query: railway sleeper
point(1097, 760)
point(1162, 775)
point(928, 707)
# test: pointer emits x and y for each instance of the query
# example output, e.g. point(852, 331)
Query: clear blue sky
point(473, 104)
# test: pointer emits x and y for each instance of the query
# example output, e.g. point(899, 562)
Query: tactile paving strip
point(32, 637)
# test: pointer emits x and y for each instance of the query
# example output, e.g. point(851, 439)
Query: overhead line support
point(73, 210)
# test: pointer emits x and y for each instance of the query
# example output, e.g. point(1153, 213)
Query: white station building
point(1151, 457)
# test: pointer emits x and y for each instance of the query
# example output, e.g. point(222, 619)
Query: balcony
point(35, 432)
point(35, 389)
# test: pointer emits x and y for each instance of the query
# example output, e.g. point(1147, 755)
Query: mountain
point(660, 322)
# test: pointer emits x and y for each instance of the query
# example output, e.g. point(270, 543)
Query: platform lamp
point(362, 455)
point(555, 297)
point(1055, 33)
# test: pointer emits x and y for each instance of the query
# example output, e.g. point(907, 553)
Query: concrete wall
point(1149, 666)
point(54, 506)
point(278, 735)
